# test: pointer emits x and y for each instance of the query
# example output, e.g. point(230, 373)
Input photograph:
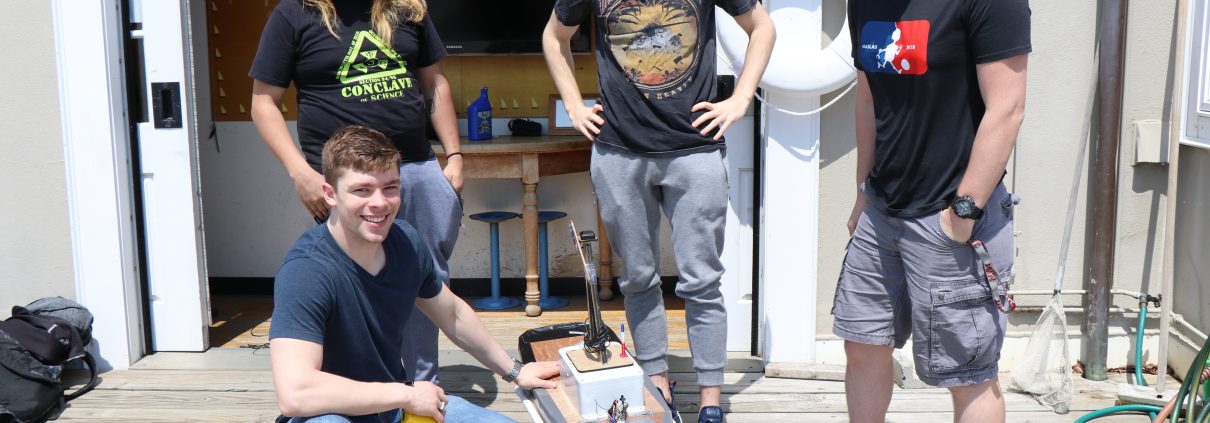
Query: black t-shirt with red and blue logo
point(919, 57)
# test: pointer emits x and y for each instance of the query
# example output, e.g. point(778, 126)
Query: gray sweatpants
point(430, 204)
point(691, 190)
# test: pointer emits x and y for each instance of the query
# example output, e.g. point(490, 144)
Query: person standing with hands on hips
point(375, 63)
point(658, 145)
point(940, 100)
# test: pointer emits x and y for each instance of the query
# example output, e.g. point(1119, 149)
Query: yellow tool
point(412, 418)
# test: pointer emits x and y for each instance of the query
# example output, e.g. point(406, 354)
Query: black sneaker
point(710, 414)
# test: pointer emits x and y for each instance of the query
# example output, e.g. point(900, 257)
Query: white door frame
point(96, 140)
point(92, 92)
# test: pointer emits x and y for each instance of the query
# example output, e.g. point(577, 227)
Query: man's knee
point(990, 387)
point(700, 292)
point(859, 354)
point(640, 286)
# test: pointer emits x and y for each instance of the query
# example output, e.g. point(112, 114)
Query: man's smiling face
point(364, 204)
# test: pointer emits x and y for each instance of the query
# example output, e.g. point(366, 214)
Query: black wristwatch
point(511, 377)
point(964, 207)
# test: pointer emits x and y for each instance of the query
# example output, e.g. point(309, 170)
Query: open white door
point(176, 274)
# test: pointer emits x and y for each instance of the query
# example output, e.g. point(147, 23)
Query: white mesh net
point(1045, 369)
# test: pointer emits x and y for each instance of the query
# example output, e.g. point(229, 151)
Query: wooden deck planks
point(235, 384)
point(158, 391)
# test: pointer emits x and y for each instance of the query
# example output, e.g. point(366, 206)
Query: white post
point(790, 228)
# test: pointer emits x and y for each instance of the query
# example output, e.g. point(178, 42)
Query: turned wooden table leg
point(605, 266)
point(529, 216)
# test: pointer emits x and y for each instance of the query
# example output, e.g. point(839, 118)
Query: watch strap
point(511, 377)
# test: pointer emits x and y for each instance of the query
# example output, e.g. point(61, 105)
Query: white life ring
point(791, 69)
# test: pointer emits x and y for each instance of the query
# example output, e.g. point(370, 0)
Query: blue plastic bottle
point(479, 118)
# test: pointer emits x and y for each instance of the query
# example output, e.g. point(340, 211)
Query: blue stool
point(547, 301)
point(495, 302)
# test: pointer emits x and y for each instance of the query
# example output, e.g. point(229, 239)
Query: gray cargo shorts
point(904, 276)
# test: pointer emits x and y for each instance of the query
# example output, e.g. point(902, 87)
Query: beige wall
point(1060, 70)
point(1192, 292)
point(35, 250)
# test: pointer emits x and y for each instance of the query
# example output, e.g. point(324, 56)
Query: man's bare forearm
point(326, 393)
point(994, 141)
point(469, 334)
point(1002, 84)
point(303, 390)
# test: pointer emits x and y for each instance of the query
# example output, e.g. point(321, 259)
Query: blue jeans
point(457, 411)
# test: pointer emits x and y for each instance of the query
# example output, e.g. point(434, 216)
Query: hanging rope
point(812, 112)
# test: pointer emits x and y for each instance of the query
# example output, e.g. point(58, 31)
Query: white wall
point(1192, 261)
point(35, 251)
point(252, 214)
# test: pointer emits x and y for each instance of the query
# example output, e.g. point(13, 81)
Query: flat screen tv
point(473, 27)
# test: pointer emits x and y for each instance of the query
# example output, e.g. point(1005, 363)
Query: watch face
point(963, 207)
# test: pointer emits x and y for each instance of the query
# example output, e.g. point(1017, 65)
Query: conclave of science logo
point(655, 42)
point(372, 71)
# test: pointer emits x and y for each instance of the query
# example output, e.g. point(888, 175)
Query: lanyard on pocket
point(993, 278)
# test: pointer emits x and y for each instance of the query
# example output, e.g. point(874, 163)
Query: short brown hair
point(358, 148)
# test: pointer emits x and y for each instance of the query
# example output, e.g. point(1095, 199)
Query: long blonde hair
point(385, 14)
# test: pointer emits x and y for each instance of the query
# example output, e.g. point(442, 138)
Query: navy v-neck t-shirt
point(321, 295)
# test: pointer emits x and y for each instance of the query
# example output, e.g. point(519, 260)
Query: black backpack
point(35, 345)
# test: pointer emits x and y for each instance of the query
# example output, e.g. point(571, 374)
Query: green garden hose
point(1151, 410)
point(1118, 409)
point(1191, 385)
point(1138, 348)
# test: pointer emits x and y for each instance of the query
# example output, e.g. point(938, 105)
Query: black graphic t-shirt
point(919, 57)
point(356, 79)
point(655, 60)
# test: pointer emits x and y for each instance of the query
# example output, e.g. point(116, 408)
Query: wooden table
point(528, 159)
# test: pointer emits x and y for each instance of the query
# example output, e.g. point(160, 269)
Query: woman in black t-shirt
point(374, 63)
